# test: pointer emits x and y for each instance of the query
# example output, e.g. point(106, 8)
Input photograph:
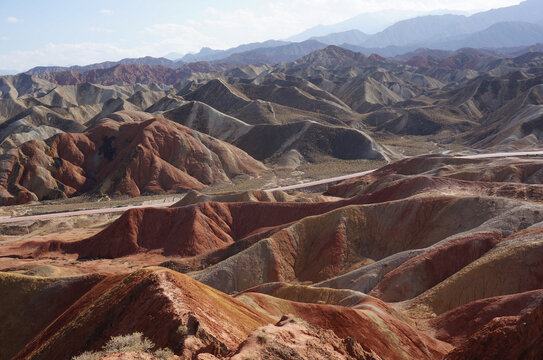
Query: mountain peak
point(335, 56)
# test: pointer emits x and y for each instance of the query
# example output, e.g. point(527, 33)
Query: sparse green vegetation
point(262, 338)
point(182, 330)
point(134, 342)
point(88, 355)
point(164, 354)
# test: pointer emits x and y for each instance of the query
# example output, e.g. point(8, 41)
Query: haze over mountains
point(513, 26)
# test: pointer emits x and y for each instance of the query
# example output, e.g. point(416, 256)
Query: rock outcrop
point(150, 156)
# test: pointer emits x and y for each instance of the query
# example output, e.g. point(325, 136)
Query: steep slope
point(177, 312)
point(15, 86)
point(454, 327)
point(373, 324)
point(271, 142)
point(515, 260)
point(156, 302)
point(394, 271)
point(70, 108)
point(206, 227)
point(219, 95)
point(494, 173)
point(36, 302)
point(40, 123)
point(426, 122)
point(131, 158)
point(296, 338)
point(296, 93)
point(335, 233)
point(516, 336)
point(312, 140)
point(205, 119)
point(294, 104)
point(516, 122)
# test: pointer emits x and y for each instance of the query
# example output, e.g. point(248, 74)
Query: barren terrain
point(339, 206)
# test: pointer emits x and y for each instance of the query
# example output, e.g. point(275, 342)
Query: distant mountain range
point(497, 36)
point(274, 55)
point(408, 30)
point(505, 34)
point(148, 60)
point(501, 30)
point(346, 37)
point(433, 29)
point(207, 54)
point(369, 23)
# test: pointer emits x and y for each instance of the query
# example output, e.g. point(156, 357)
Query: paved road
point(350, 176)
point(323, 181)
point(502, 154)
point(80, 212)
point(284, 188)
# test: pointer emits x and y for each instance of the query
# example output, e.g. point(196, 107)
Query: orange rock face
point(292, 338)
point(364, 322)
point(186, 231)
point(433, 266)
point(513, 328)
point(151, 156)
point(169, 308)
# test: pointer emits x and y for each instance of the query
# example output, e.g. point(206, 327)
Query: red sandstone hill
point(186, 231)
point(515, 331)
point(157, 302)
point(493, 173)
point(426, 258)
point(190, 318)
point(151, 156)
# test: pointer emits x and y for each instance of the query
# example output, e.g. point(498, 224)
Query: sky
point(80, 32)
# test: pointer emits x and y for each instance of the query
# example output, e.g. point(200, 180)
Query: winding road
point(17, 219)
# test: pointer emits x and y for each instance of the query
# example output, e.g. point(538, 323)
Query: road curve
point(283, 188)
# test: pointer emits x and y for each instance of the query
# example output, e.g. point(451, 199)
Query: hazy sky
point(68, 32)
